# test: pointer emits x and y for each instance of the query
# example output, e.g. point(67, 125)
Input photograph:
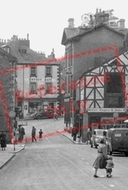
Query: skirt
point(100, 162)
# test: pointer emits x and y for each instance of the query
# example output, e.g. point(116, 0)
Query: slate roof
point(30, 56)
point(72, 34)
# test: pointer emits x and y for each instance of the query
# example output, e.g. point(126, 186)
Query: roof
point(3, 52)
point(30, 56)
point(79, 32)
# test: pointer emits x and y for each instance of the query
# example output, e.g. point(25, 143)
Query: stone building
point(8, 86)
point(37, 77)
point(88, 47)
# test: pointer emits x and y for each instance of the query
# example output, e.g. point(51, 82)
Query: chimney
point(121, 24)
point(27, 36)
point(71, 23)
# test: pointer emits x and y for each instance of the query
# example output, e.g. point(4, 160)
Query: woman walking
point(100, 162)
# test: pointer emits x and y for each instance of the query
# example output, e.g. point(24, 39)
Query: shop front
point(37, 105)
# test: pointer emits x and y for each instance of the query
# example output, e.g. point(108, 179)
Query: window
point(48, 88)
point(48, 71)
point(33, 88)
point(114, 84)
point(33, 72)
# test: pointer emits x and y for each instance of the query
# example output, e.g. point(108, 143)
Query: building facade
point(8, 85)
point(37, 77)
point(38, 88)
point(89, 47)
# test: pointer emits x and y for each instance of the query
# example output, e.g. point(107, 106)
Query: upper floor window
point(48, 71)
point(33, 72)
point(33, 88)
point(48, 88)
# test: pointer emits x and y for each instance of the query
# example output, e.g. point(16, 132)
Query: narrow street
point(55, 163)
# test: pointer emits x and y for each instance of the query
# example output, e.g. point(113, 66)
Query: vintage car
point(43, 114)
point(98, 134)
point(118, 138)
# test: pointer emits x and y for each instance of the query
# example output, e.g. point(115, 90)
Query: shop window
point(33, 88)
point(33, 72)
point(48, 71)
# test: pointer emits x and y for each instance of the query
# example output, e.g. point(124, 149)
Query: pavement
point(9, 153)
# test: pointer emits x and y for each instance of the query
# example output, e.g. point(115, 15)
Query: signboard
point(35, 79)
point(109, 110)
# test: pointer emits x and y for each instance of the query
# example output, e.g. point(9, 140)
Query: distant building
point(86, 47)
point(37, 77)
point(8, 85)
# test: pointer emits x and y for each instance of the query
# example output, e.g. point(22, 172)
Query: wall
point(99, 38)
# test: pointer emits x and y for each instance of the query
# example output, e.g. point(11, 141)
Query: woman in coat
point(3, 141)
point(100, 162)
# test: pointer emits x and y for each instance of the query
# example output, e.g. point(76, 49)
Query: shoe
point(96, 176)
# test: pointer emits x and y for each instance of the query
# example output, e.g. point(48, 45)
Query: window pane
point(48, 71)
point(33, 71)
point(33, 88)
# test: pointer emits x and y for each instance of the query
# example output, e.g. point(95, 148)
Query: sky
point(45, 20)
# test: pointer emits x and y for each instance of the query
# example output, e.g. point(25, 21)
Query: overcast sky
point(45, 20)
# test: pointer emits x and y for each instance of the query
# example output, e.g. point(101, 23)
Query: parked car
point(97, 136)
point(43, 115)
point(119, 139)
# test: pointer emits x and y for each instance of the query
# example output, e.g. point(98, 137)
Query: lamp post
point(12, 115)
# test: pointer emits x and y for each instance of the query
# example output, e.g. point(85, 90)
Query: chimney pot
point(71, 23)
point(121, 24)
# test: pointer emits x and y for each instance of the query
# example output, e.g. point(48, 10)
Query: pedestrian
point(109, 166)
point(3, 141)
point(22, 133)
point(74, 133)
point(100, 161)
point(16, 134)
point(33, 134)
point(40, 134)
point(89, 135)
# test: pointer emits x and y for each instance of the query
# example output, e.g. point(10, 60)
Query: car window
point(117, 134)
point(99, 133)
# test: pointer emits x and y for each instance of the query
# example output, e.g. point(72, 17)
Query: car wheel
point(38, 117)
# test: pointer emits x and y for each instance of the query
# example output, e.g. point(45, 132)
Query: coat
point(100, 161)
point(3, 140)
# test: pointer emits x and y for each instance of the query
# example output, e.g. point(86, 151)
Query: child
point(40, 134)
point(109, 166)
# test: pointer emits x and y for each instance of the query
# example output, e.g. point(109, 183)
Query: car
point(43, 115)
point(97, 136)
point(119, 140)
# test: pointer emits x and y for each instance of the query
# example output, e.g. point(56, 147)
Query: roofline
point(94, 28)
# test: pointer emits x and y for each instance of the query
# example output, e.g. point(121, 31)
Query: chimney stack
point(71, 23)
point(121, 24)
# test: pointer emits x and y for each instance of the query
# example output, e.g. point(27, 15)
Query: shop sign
point(107, 110)
point(35, 79)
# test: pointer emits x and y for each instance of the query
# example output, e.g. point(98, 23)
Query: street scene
point(57, 163)
point(63, 95)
